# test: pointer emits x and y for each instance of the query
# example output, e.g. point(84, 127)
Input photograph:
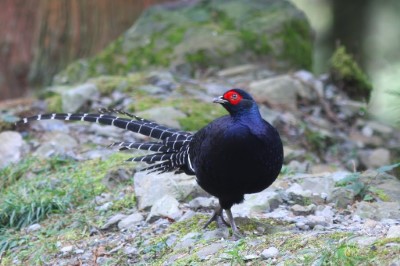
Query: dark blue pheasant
point(236, 154)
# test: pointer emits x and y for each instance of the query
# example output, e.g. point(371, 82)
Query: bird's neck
point(248, 115)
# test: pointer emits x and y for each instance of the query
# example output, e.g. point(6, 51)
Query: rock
point(326, 212)
point(220, 233)
point(375, 158)
point(130, 221)
point(237, 70)
point(363, 241)
point(33, 228)
point(56, 143)
point(51, 125)
point(106, 206)
point(378, 210)
point(67, 249)
point(270, 252)
point(277, 92)
point(149, 188)
point(129, 250)
point(163, 80)
point(261, 202)
point(187, 215)
point(11, 145)
point(203, 202)
point(186, 37)
point(113, 220)
point(301, 210)
point(394, 231)
point(106, 131)
point(168, 115)
point(209, 250)
point(188, 240)
point(298, 167)
point(73, 99)
point(314, 220)
point(342, 197)
point(298, 194)
point(167, 207)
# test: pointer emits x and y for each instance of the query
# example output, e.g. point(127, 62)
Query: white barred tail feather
point(171, 151)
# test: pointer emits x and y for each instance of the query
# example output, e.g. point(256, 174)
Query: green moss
point(198, 113)
point(255, 42)
point(297, 47)
point(54, 104)
point(127, 202)
point(348, 75)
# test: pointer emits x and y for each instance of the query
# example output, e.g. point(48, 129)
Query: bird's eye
point(234, 96)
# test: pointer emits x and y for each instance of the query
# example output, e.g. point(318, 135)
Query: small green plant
point(362, 188)
point(235, 254)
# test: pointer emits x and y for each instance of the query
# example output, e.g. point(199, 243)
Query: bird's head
point(237, 101)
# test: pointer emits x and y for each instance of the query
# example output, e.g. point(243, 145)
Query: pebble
point(130, 221)
point(33, 228)
point(270, 252)
point(209, 250)
point(394, 231)
point(302, 210)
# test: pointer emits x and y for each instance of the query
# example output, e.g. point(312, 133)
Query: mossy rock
point(207, 34)
point(347, 74)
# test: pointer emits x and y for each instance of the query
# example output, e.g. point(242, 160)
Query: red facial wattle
point(233, 97)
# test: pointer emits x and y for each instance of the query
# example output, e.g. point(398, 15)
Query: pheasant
point(234, 155)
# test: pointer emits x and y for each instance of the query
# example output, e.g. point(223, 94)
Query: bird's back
point(232, 158)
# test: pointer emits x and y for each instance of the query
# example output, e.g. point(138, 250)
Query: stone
point(363, 241)
point(209, 250)
point(106, 131)
point(394, 231)
point(130, 221)
point(11, 146)
point(342, 197)
point(167, 207)
point(236, 70)
point(113, 220)
point(67, 249)
point(277, 92)
point(378, 210)
point(149, 188)
point(314, 220)
point(168, 115)
point(298, 194)
point(188, 240)
point(375, 158)
point(325, 211)
point(203, 202)
point(73, 99)
point(56, 143)
point(261, 202)
point(270, 252)
point(219, 233)
point(302, 210)
point(33, 228)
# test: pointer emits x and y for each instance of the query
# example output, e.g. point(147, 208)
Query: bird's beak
point(220, 100)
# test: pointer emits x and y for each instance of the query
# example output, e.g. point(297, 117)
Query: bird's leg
point(215, 217)
point(235, 230)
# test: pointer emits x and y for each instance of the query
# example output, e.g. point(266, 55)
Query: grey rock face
point(149, 188)
point(11, 144)
point(73, 99)
point(167, 207)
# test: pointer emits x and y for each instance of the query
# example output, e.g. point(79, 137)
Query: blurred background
point(38, 38)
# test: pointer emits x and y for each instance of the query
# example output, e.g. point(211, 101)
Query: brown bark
point(40, 37)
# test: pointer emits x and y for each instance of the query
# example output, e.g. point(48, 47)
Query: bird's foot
point(235, 231)
point(218, 218)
